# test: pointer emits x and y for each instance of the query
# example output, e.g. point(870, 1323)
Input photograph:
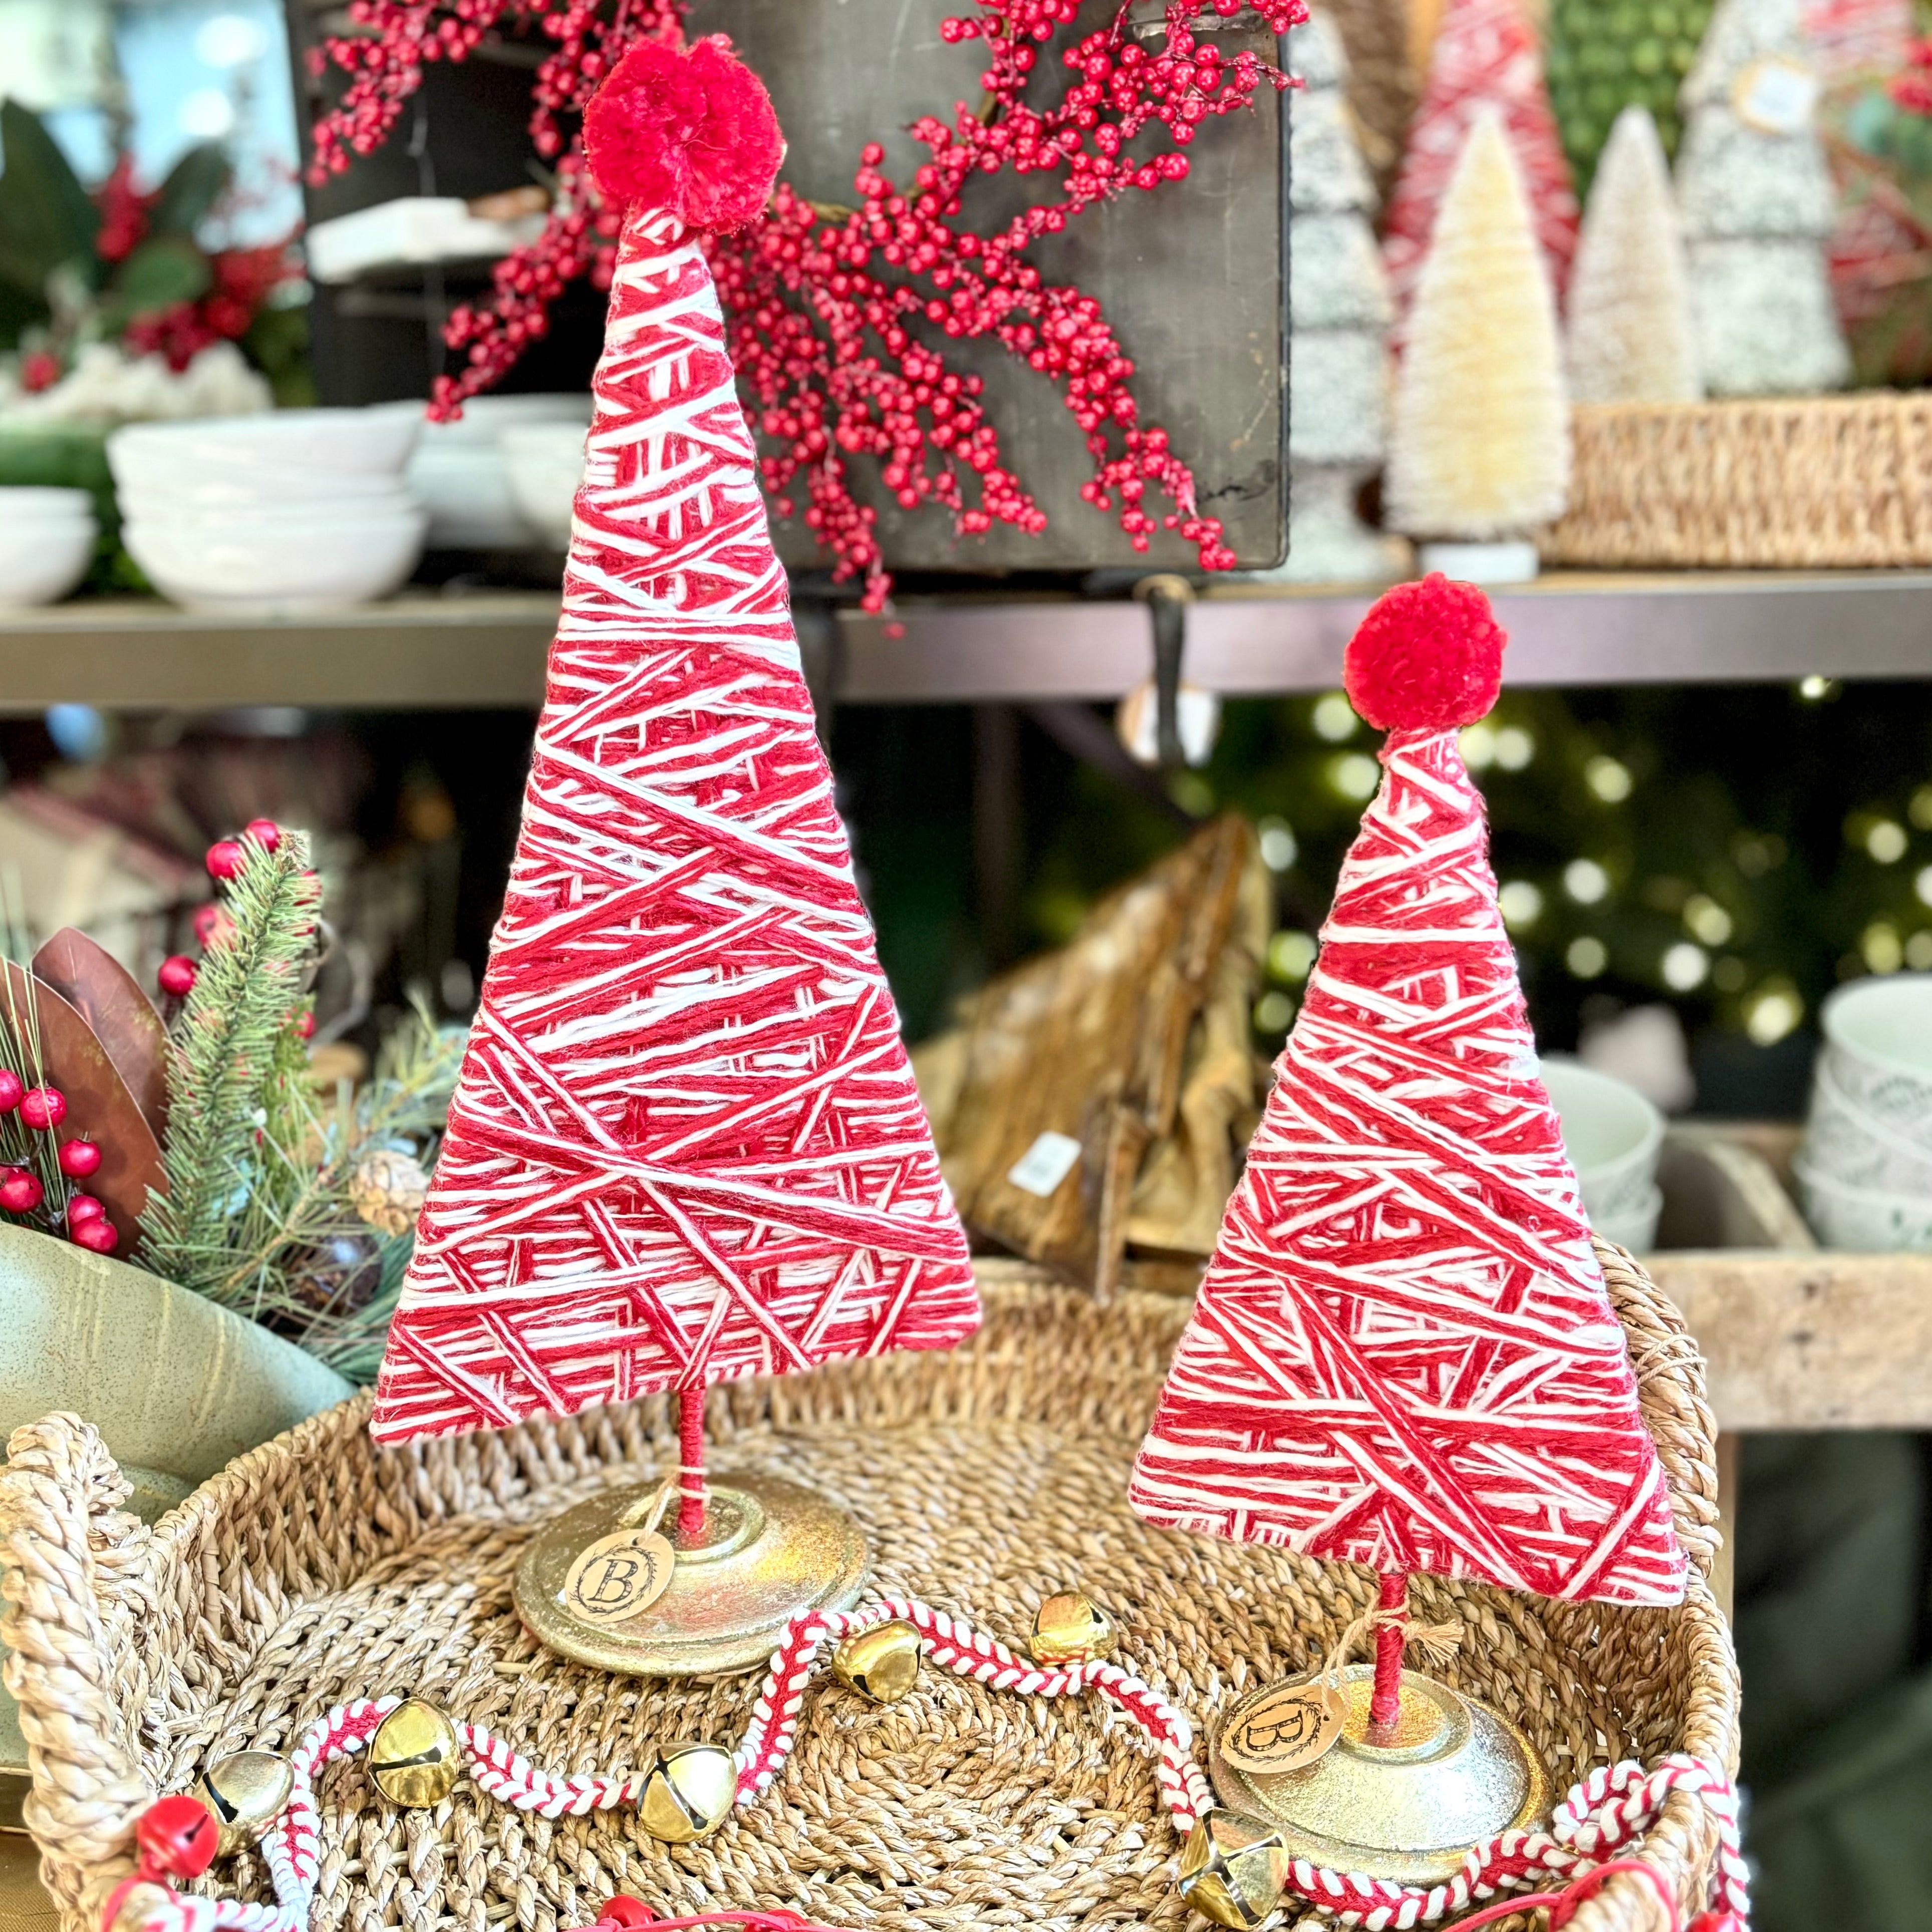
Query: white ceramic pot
point(372, 441)
point(1870, 1122)
point(1636, 1231)
point(1613, 1136)
point(465, 489)
point(546, 463)
point(320, 565)
point(1864, 1220)
point(47, 539)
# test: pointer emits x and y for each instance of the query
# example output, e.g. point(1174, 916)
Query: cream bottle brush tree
point(1757, 205)
point(1480, 454)
point(1630, 338)
point(1338, 315)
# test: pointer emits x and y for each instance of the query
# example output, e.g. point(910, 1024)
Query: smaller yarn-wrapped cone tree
point(686, 1145)
point(1757, 205)
point(1485, 57)
point(1339, 313)
point(1480, 453)
point(1631, 339)
point(1403, 1354)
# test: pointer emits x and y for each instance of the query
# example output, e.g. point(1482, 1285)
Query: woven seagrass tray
point(1810, 482)
point(319, 1567)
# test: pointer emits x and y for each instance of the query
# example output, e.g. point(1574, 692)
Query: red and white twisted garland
point(1614, 1805)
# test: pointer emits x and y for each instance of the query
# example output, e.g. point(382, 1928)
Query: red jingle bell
point(178, 1835)
point(626, 1913)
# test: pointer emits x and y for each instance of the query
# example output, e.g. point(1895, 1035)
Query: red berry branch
point(839, 319)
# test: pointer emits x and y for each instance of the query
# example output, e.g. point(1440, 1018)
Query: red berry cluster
point(838, 319)
point(1911, 87)
point(43, 1108)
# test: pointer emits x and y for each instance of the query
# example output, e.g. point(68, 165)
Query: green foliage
point(194, 185)
point(163, 271)
point(230, 1049)
point(277, 343)
point(47, 221)
point(1602, 56)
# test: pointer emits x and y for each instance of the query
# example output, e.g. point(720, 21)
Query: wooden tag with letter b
point(619, 1575)
point(1289, 1728)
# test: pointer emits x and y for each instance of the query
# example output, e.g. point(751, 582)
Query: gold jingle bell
point(1233, 1869)
point(1069, 1628)
point(688, 1792)
point(881, 1664)
point(244, 1790)
point(414, 1757)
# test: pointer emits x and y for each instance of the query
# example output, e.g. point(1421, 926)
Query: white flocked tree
point(1756, 200)
point(1339, 314)
point(1480, 454)
point(1630, 335)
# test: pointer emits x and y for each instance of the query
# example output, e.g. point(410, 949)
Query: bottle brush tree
point(1630, 336)
point(1757, 205)
point(1339, 313)
point(1480, 447)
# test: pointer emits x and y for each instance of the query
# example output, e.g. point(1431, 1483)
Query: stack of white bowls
point(1864, 1171)
point(546, 463)
point(295, 510)
point(461, 471)
point(46, 541)
point(1614, 1137)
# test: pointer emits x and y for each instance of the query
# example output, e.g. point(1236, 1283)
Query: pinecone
point(387, 1190)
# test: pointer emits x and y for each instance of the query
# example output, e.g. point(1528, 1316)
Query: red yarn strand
point(690, 1484)
point(1385, 1702)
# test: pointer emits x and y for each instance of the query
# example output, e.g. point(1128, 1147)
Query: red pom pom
point(177, 975)
point(690, 131)
point(1428, 657)
point(225, 857)
point(79, 1158)
point(179, 1835)
point(96, 1234)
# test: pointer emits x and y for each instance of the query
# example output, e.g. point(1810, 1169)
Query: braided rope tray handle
point(76, 1570)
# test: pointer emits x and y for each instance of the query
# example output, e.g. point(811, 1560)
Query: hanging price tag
point(1285, 1729)
point(619, 1575)
point(1775, 95)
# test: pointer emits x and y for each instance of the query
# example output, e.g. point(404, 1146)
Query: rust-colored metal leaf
point(110, 998)
point(99, 1106)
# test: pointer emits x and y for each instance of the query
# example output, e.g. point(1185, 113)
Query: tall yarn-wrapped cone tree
point(1403, 1353)
point(686, 1145)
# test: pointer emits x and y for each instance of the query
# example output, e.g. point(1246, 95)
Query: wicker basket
point(319, 1567)
point(1815, 482)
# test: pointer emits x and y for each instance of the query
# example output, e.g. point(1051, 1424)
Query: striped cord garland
point(1608, 1810)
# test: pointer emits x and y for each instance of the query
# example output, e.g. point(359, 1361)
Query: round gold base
point(771, 1549)
point(1457, 1773)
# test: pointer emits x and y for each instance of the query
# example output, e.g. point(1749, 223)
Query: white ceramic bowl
point(156, 473)
point(46, 543)
point(1613, 1136)
point(384, 497)
point(546, 463)
point(315, 565)
point(465, 489)
point(1864, 1220)
point(372, 441)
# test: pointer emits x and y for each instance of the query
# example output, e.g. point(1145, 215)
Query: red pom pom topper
point(690, 130)
point(1428, 657)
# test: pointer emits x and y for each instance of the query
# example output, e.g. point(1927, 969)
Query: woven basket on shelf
point(1806, 483)
point(319, 1567)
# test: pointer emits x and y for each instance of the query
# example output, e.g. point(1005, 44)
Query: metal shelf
point(485, 649)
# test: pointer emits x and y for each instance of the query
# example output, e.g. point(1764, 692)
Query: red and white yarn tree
point(685, 1145)
point(1403, 1353)
point(1485, 56)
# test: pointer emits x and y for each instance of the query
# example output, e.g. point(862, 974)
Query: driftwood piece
point(1093, 1043)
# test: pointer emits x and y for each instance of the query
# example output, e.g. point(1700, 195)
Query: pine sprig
point(233, 1050)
